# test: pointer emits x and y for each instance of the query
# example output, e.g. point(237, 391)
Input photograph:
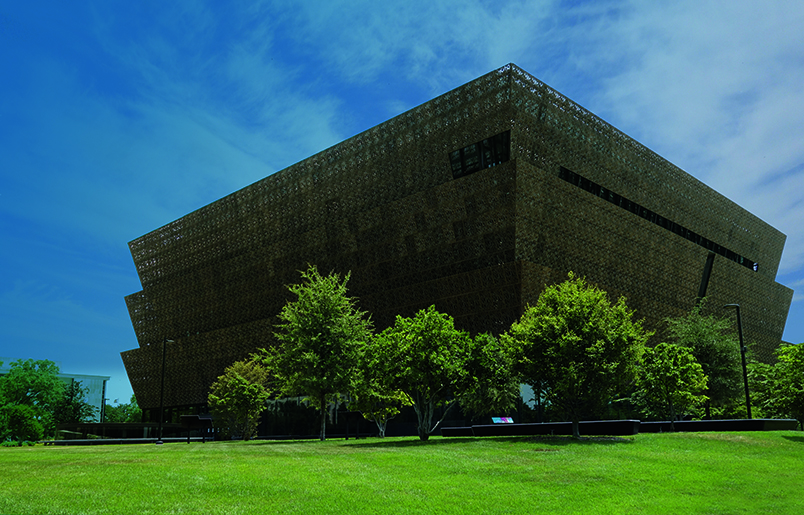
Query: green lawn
point(649, 473)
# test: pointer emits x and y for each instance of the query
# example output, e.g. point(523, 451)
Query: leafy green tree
point(578, 348)
point(427, 360)
point(491, 384)
point(670, 382)
point(763, 379)
point(71, 408)
point(778, 389)
point(114, 414)
point(319, 339)
point(133, 410)
point(20, 423)
point(372, 392)
point(239, 396)
point(129, 412)
point(714, 345)
point(34, 384)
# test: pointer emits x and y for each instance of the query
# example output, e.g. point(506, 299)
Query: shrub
point(20, 423)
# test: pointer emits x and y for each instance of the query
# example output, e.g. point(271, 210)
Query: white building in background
point(96, 385)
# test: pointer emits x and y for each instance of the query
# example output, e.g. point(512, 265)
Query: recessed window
point(483, 154)
point(597, 190)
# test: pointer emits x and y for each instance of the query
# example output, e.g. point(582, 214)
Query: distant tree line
point(128, 412)
point(584, 356)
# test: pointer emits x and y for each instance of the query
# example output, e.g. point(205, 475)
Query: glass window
point(483, 154)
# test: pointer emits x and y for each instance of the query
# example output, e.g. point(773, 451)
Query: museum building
point(473, 202)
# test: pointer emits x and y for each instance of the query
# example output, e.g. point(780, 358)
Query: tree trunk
point(424, 425)
point(576, 429)
point(424, 416)
point(672, 417)
point(381, 425)
point(323, 417)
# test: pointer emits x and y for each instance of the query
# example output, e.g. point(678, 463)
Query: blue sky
point(119, 117)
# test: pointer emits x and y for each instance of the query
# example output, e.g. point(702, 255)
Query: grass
point(715, 473)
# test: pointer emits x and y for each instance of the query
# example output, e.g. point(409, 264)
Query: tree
point(491, 385)
point(372, 392)
point(670, 382)
point(124, 413)
point(71, 408)
point(319, 338)
point(762, 384)
point(34, 384)
point(239, 396)
point(426, 360)
point(578, 347)
point(715, 347)
point(20, 423)
point(778, 389)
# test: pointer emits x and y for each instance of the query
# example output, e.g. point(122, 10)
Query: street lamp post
point(162, 392)
point(742, 353)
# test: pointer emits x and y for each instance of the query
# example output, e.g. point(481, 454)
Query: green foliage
point(491, 385)
point(124, 413)
point(319, 335)
point(239, 396)
point(372, 392)
point(34, 384)
point(578, 348)
point(14, 443)
point(71, 408)
point(19, 423)
point(426, 359)
point(715, 347)
point(762, 379)
point(778, 390)
point(670, 382)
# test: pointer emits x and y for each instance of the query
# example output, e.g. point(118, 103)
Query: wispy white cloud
point(110, 163)
point(216, 103)
point(177, 140)
point(150, 110)
point(715, 88)
point(437, 45)
point(708, 85)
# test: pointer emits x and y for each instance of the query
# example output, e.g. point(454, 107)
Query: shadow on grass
point(798, 439)
point(584, 440)
point(543, 440)
point(412, 441)
point(367, 442)
point(283, 441)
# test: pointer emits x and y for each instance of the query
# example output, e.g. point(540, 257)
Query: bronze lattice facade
point(473, 202)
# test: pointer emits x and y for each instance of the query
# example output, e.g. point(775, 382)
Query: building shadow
point(556, 441)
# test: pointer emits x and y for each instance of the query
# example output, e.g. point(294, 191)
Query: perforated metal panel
point(386, 206)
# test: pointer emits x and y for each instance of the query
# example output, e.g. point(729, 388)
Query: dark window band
point(483, 154)
point(608, 195)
